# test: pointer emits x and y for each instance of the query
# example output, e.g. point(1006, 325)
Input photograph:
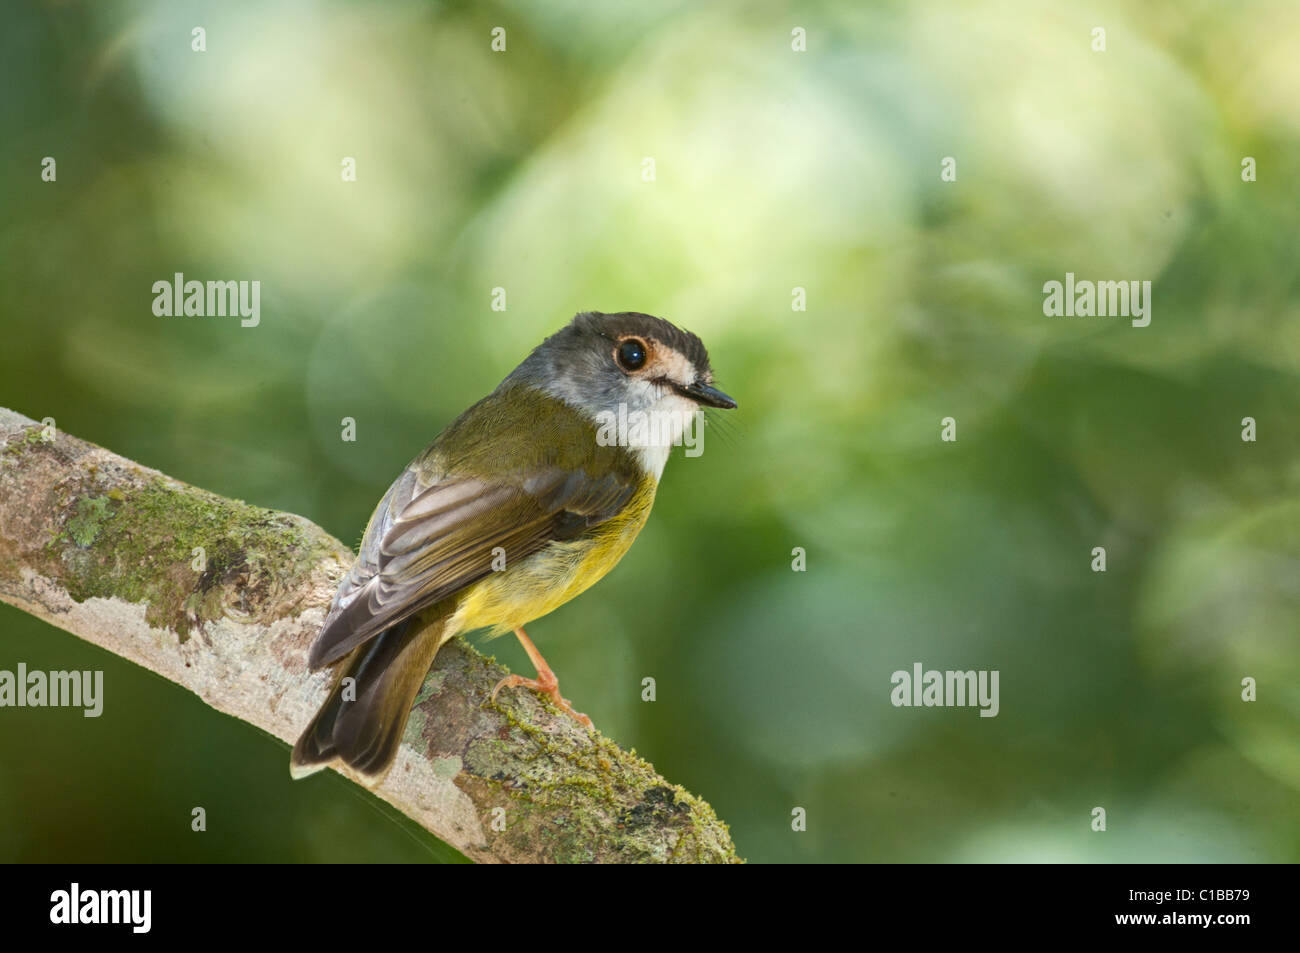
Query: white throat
point(649, 424)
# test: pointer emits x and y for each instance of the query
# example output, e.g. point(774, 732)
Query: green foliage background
point(775, 169)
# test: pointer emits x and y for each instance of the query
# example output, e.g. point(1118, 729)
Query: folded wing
point(429, 541)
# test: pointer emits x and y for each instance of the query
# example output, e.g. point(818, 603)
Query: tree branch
point(104, 548)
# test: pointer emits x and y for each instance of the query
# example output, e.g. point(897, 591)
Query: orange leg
point(545, 682)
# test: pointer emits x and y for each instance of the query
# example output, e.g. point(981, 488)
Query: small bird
point(522, 503)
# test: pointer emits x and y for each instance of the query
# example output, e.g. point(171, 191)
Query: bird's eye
point(631, 354)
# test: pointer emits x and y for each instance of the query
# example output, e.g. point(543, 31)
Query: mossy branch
point(109, 551)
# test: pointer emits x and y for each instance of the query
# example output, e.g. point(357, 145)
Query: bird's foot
point(543, 686)
point(545, 683)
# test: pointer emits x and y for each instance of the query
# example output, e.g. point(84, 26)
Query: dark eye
point(631, 354)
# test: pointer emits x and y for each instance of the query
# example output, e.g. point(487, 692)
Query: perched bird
point(522, 503)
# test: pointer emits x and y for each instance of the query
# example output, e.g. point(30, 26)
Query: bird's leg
point(545, 682)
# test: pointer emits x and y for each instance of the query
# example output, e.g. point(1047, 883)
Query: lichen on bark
point(190, 555)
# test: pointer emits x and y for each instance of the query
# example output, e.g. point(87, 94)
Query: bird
point(522, 503)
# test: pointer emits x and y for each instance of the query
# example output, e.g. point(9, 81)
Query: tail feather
point(363, 728)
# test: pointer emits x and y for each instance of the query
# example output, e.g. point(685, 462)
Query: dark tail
point(361, 723)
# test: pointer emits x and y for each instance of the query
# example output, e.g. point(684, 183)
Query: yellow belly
point(549, 578)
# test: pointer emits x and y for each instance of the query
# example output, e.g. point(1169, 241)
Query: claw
point(545, 683)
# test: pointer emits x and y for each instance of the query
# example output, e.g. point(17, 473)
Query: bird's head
point(626, 363)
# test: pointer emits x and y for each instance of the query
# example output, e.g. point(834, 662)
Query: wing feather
point(428, 541)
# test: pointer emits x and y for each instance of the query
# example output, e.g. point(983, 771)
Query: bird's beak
point(702, 393)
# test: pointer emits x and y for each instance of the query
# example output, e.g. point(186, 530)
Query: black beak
point(702, 393)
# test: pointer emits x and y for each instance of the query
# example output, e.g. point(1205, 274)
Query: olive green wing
point(428, 541)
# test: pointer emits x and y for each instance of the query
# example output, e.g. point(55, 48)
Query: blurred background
point(774, 170)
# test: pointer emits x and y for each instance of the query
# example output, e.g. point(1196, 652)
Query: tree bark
point(107, 550)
